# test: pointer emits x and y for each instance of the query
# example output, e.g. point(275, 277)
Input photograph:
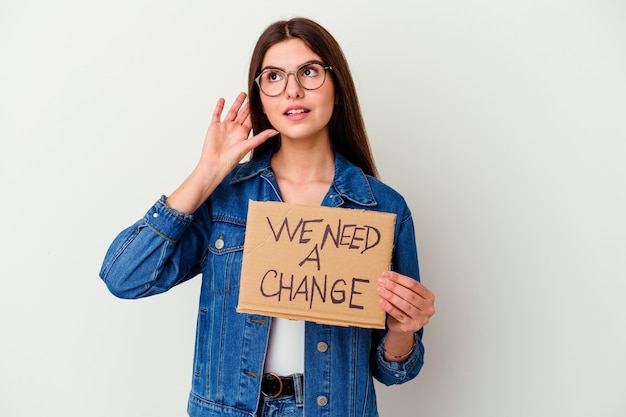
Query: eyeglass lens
point(310, 77)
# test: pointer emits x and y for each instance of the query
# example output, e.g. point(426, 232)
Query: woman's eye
point(309, 71)
point(274, 76)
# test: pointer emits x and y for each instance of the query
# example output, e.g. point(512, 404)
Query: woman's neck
point(303, 171)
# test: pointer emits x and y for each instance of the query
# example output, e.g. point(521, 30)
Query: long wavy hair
point(346, 126)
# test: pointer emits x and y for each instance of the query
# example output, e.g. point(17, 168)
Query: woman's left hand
point(408, 303)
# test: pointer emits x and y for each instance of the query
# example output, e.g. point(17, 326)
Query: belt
point(273, 386)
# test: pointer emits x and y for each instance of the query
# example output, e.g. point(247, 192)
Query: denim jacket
point(166, 248)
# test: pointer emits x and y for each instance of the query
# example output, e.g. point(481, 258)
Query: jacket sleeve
point(163, 249)
point(404, 261)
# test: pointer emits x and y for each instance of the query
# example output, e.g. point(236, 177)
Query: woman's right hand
point(225, 144)
point(226, 141)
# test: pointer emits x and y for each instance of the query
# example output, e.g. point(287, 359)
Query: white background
point(501, 122)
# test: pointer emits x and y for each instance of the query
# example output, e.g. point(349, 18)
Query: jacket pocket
point(225, 254)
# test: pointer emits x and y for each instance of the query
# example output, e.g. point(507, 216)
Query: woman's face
point(297, 113)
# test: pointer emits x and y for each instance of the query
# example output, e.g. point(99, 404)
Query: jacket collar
point(350, 181)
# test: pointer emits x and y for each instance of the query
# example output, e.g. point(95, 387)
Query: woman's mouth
point(295, 111)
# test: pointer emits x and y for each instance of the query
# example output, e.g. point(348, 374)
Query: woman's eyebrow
point(312, 61)
point(271, 67)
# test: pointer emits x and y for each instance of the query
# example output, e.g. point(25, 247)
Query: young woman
point(309, 147)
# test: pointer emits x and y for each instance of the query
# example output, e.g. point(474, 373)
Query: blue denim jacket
point(167, 247)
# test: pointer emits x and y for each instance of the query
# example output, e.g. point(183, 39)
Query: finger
point(247, 123)
point(406, 306)
point(243, 115)
point(408, 301)
point(404, 320)
point(217, 112)
point(256, 140)
point(408, 317)
point(392, 279)
point(234, 109)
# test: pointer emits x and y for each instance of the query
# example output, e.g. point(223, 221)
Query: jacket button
point(322, 400)
point(219, 244)
point(322, 347)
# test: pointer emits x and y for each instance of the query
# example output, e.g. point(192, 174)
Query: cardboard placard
point(318, 264)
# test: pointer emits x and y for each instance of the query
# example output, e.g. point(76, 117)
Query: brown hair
point(346, 126)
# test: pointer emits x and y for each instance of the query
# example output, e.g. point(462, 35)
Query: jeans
point(283, 406)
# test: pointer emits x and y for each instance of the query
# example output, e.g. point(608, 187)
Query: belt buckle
point(280, 386)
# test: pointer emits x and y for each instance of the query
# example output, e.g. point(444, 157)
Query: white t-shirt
point(285, 353)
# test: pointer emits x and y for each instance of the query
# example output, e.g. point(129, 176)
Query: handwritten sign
point(315, 263)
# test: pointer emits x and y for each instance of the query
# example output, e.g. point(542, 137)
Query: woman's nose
point(293, 88)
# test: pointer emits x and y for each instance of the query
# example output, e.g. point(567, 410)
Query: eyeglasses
point(309, 76)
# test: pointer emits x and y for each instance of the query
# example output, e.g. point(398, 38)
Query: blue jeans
point(283, 406)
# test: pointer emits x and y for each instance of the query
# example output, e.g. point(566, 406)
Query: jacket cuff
point(166, 221)
point(399, 372)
